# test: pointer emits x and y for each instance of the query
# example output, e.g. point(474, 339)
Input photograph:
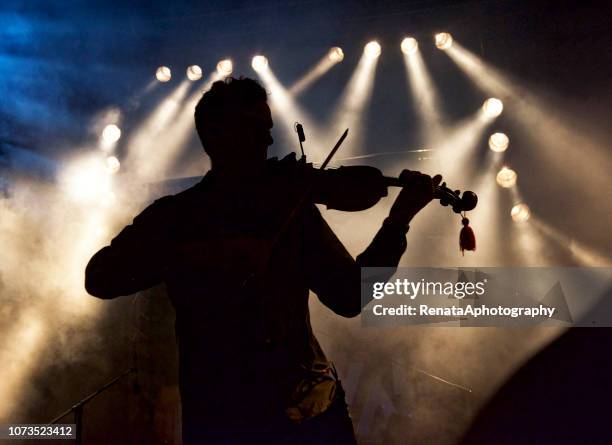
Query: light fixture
point(372, 49)
point(111, 134)
point(225, 67)
point(498, 142)
point(409, 45)
point(444, 40)
point(520, 212)
point(259, 63)
point(493, 107)
point(112, 164)
point(163, 74)
point(506, 177)
point(194, 72)
point(336, 54)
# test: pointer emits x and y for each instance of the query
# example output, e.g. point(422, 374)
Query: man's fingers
point(420, 181)
point(405, 175)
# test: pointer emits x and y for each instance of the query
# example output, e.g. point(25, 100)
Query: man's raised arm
point(135, 259)
point(335, 276)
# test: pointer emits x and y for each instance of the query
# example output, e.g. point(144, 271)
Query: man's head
point(234, 121)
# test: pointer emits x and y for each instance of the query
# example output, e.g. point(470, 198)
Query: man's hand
point(417, 193)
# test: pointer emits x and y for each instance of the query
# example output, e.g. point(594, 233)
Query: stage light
point(163, 74)
point(259, 63)
point(112, 164)
point(336, 54)
point(225, 67)
point(444, 40)
point(520, 213)
point(493, 107)
point(111, 134)
point(498, 142)
point(409, 45)
point(506, 177)
point(372, 49)
point(547, 124)
point(194, 72)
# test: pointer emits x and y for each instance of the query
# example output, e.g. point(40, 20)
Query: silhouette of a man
point(246, 344)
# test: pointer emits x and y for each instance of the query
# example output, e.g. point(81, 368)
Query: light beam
point(333, 56)
point(424, 93)
point(351, 105)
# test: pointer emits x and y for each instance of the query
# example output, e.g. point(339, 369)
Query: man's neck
point(230, 175)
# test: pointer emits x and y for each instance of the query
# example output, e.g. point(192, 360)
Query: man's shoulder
point(171, 205)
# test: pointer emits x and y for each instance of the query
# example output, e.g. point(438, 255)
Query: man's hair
point(225, 100)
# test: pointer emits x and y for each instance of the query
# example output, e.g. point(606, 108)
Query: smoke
point(47, 320)
point(413, 385)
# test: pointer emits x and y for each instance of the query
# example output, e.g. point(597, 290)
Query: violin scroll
point(459, 203)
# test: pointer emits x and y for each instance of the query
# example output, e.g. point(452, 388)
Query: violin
point(354, 188)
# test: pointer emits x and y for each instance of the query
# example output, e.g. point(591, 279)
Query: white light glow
point(112, 164)
point(163, 74)
point(409, 45)
point(372, 49)
point(259, 63)
point(86, 180)
point(225, 67)
point(444, 40)
point(194, 72)
point(520, 213)
point(108, 199)
point(336, 54)
point(111, 134)
point(493, 107)
point(498, 142)
point(506, 177)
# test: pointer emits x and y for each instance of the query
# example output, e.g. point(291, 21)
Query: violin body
point(349, 189)
point(359, 187)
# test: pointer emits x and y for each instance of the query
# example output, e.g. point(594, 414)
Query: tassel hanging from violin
point(467, 239)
